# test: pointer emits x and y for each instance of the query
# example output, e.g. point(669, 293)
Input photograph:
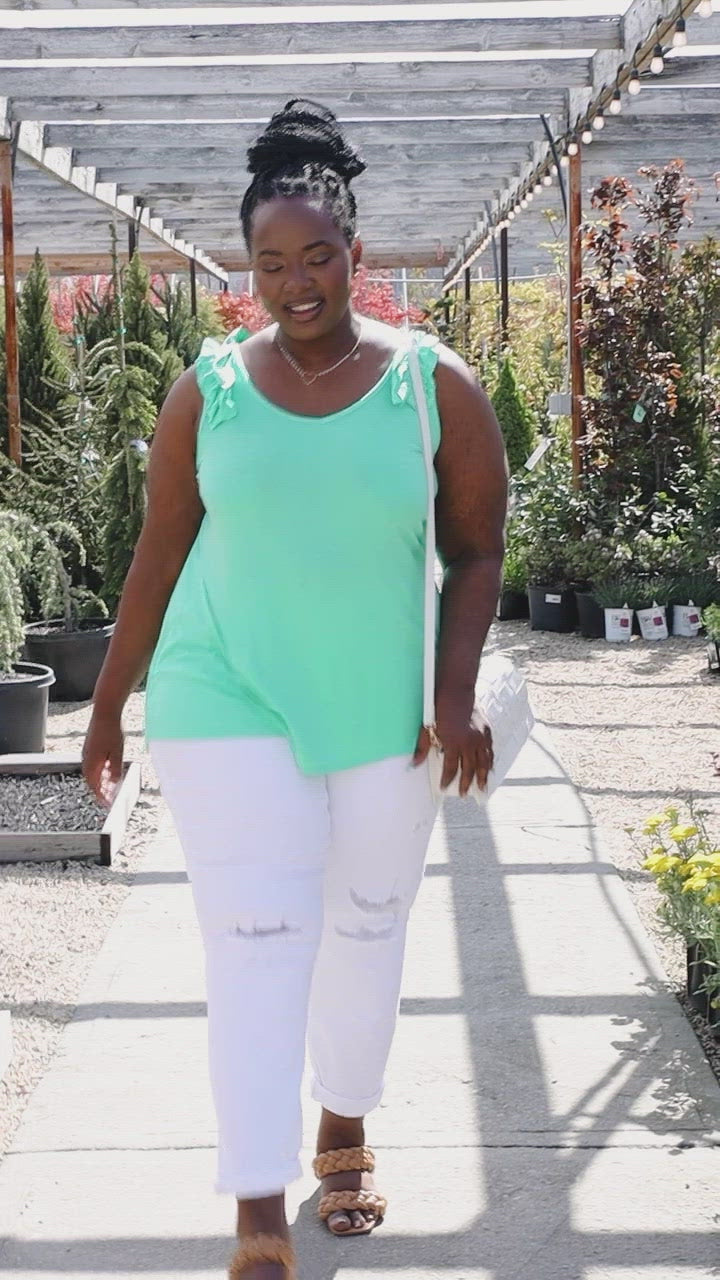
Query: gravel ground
point(634, 726)
point(49, 802)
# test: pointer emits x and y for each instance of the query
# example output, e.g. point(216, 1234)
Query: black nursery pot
point(698, 970)
point(552, 609)
point(713, 656)
point(24, 708)
point(75, 656)
point(590, 615)
point(511, 605)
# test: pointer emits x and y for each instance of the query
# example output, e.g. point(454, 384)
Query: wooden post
point(577, 372)
point(12, 368)
point(193, 288)
point(504, 289)
point(468, 300)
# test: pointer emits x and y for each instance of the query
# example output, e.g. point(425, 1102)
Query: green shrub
point(514, 417)
point(711, 622)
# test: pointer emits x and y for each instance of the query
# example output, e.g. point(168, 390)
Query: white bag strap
point(430, 543)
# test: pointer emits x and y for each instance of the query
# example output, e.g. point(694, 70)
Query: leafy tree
point(513, 416)
point(183, 331)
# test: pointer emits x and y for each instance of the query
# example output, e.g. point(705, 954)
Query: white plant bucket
point(618, 624)
point(653, 622)
point(687, 619)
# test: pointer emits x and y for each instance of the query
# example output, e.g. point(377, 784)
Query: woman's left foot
point(340, 1134)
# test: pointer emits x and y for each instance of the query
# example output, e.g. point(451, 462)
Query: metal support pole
point(577, 372)
point(12, 367)
point(468, 300)
point(193, 288)
point(504, 289)
point(132, 239)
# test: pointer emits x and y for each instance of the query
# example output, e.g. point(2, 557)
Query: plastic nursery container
point(618, 624)
point(552, 609)
point(653, 622)
point(24, 708)
point(590, 615)
point(687, 619)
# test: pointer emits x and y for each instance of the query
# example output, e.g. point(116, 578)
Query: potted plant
point(513, 600)
point(551, 591)
point(613, 596)
point(590, 560)
point(651, 614)
point(684, 859)
point(23, 685)
point(711, 623)
point(688, 595)
point(75, 643)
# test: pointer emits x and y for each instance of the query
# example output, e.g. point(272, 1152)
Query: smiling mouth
point(304, 310)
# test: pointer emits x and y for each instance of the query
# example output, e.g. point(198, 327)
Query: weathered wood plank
point(12, 368)
point(106, 138)
point(700, 70)
point(214, 40)
point(459, 100)
point(313, 79)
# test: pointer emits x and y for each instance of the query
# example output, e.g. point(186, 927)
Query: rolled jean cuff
point(350, 1108)
point(248, 1186)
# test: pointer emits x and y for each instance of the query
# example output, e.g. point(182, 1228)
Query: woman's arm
point(470, 509)
point(171, 524)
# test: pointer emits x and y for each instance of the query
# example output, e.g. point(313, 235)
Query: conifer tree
point(44, 361)
point(143, 326)
point(514, 417)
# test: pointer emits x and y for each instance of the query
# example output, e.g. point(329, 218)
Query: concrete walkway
point(549, 1114)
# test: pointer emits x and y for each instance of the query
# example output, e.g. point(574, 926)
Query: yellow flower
point(653, 824)
point(695, 884)
point(659, 862)
point(678, 834)
point(713, 898)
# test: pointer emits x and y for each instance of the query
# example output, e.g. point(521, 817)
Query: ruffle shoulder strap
point(428, 349)
point(218, 370)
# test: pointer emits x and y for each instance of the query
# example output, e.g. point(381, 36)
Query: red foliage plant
point(67, 294)
point(374, 298)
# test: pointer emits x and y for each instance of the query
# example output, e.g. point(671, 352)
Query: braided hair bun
point(304, 132)
point(303, 153)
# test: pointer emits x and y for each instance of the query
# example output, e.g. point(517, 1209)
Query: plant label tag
point(639, 413)
point(624, 622)
point(553, 599)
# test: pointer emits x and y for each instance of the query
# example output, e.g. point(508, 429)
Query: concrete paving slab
point(548, 1112)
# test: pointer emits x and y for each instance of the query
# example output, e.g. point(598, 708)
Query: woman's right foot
point(266, 1217)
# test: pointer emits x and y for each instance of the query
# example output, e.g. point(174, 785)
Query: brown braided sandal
point(349, 1160)
point(263, 1248)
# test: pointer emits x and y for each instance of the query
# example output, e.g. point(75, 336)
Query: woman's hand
point(102, 756)
point(466, 746)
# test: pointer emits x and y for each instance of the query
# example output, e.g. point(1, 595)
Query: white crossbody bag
point(501, 698)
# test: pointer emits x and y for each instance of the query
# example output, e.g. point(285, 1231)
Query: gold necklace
point(307, 378)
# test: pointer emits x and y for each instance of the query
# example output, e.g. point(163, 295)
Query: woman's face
point(303, 266)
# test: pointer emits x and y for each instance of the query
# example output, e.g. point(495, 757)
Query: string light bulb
point(657, 66)
point(616, 103)
point(538, 187)
point(565, 161)
point(599, 119)
point(635, 84)
point(587, 135)
point(573, 147)
point(547, 180)
point(554, 171)
point(530, 196)
point(680, 37)
point(524, 202)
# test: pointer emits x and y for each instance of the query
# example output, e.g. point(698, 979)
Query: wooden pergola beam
point(471, 75)
point(58, 162)
point(195, 106)
point(237, 136)
point(387, 155)
point(288, 34)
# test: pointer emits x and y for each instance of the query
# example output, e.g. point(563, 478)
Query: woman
point(278, 588)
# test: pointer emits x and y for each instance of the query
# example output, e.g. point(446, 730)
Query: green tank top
point(299, 610)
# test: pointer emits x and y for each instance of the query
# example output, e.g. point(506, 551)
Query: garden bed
point(47, 813)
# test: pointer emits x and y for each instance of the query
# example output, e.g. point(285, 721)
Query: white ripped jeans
point(302, 887)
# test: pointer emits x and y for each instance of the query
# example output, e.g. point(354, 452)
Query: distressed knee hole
point(257, 932)
point(384, 924)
